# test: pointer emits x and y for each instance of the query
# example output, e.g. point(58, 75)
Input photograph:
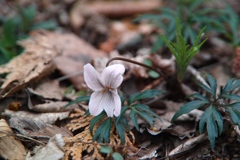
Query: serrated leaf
point(186, 108)
point(117, 156)
point(133, 117)
point(102, 134)
point(146, 109)
point(95, 120)
point(77, 100)
point(105, 149)
point(144, 94)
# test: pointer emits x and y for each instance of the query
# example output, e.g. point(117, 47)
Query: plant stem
point(135, 62)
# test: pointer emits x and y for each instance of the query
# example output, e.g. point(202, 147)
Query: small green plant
point(17, 28)
point(212, 117)
point(102, 133)
point(120, 122)
point(231, 20)
point(193, 16)
point(181, 51)
point(108, 150)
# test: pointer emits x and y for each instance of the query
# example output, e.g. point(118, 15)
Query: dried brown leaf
point(82, 142)
point(48, 90)
point(53, 150)
point(53, 106)
point(10, 147)
point(32, 65)
point(121, 8)
point(75, 53)
point(48, 131)
point(49, 118)
point(189, 144)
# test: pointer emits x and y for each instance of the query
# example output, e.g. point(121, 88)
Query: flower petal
point(117, 103)
point(94, 104)
point(112, 75)
point(92, 78)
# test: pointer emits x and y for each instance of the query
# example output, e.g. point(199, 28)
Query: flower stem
point(135, 62)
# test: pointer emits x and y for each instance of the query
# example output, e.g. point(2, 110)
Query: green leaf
point(186, 108)
point(212, 131)
point(102, 134)
point(235, 115)
point(121, 132)
point(77, 100)
point(205, 87)
point(227, 88)
point(95, 120)
point(144, 94)
point(133, 117)
point(146, 109)
point(199, 96)
point(213, 84)
point(218, 118)
point(50, 25)
point(117, 156)
point(123, 110)
point(145, 116)
point(210, 117)
point(203, 120)
point(105, 149)
point(231, 96)
point(153, 74)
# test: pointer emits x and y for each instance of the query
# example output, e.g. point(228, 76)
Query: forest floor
point(57, 38)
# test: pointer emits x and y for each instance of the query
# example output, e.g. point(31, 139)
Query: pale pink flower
point(105, 95)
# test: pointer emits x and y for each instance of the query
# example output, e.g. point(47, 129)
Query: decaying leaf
point(49, 118)
point(48, 131)
point(10, 147)
point(75, 52)
point(120, 8)
point(53, 106)
point(53, 150)
point(48, 90)
point(32, 65)
point(82, 142)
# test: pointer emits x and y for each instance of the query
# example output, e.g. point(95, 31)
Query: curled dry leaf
point(32, 65)
point(49, 118)
point(53, 150)
point(10, 147)
point(189, 144)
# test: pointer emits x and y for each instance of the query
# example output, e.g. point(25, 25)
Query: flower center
point(107, 88)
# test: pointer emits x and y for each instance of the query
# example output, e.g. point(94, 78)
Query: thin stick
point(135, 62)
